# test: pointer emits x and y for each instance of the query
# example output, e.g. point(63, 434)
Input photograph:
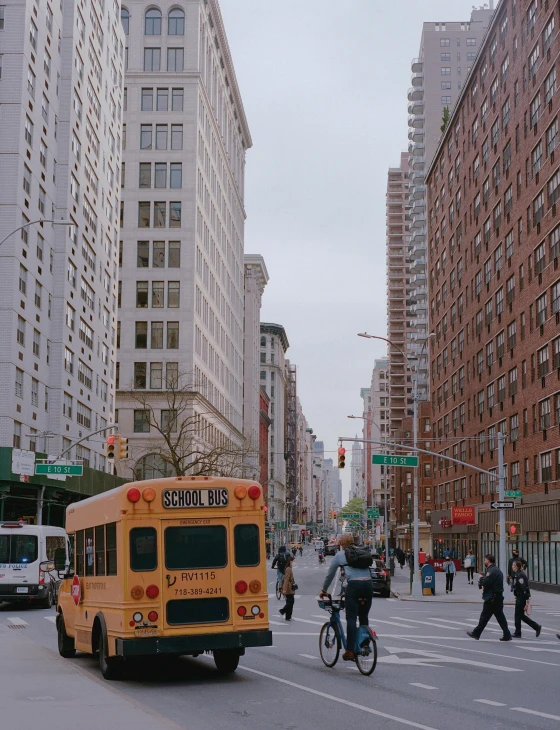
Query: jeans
point(358, 603)
point(289, 607)
point(449, 581)
point(520, 616)
point(493, 607)
point(470, 574)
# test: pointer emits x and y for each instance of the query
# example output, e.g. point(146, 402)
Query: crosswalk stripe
point(16, 620)
point(393, 623)
point(428, 623)
point(491, 702)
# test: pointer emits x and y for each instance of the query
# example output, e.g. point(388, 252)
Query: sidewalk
point(462, 591)
point(39, 689)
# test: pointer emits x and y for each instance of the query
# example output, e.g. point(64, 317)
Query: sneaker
point(282, 611)
point(288, 619)
point(558, 636)
point(473, 636)
point(538, 631)
point(348, 656)
point(516, 636)
point(505, 638)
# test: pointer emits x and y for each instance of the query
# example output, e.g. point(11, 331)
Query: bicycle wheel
point(366, 655)
point(329, 644)
point(278, 591)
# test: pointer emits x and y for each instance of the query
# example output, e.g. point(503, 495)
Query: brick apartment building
point(494, 247)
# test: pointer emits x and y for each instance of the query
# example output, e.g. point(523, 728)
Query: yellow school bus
point(168, 567)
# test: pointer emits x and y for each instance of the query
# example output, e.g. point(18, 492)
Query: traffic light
point(122, 449)
point(111, 444)
point(330, 515)
point(341, 457)
point(513, 530)
point(334, 515)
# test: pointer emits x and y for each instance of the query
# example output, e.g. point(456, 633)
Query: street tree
point(184, 440)
point(445, 119)
point(355, 506)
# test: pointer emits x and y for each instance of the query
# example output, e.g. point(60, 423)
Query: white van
point(22, 548)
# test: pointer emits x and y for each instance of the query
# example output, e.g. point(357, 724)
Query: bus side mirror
point(60, 559)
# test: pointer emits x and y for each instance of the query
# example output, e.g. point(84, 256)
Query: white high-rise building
point(182, 218)
point(62, 67)
point(357, 480)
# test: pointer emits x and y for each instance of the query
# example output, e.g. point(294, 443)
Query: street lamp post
point(32, 223)
point(416, 584)
point(386, 491)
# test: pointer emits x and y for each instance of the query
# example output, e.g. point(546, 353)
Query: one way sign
point(502, 505)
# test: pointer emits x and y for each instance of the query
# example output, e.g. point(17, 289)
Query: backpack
point(358, 556)
point(281, 563)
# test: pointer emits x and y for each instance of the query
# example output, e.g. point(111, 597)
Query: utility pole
point(416, 585)
point(410, 556)
point(501, 496)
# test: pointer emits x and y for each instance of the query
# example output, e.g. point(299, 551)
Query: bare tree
point(187, 441)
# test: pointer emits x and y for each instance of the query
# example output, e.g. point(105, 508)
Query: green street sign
point(351, 515)
point(513, 493)
point(373, 514)
point(391, 460)
point(67, 470)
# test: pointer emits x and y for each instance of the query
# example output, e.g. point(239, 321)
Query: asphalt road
point(429, 675)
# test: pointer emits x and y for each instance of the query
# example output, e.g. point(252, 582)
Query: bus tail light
point(137, 617)
point(241, 611)
point(153, 616)
point(240, 492)
point(241, 586)
point(256, 610)
point(254, 492)
point(261, 615)
point(255, 586)
point(152, 591)
point(148, 494)
point(137, 592)
point(133, 495)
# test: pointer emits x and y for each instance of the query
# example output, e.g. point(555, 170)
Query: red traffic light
point(341, 451)
point(512, 530)
point(111, 440)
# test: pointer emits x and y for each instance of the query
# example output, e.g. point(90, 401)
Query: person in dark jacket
point(279, 563)
point(522, 594)
point(514, 557)
point(288, 591)
point(492, 585)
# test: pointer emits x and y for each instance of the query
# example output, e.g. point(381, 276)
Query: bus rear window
point(187, 548)
point(247, 547)
point(143, 548)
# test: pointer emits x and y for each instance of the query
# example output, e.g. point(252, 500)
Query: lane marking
point(487, 653)
point(422, 686)
point(309, 656)
point(393, 623)
point(340, 700)
point(16, 620)
point(437, 658)
point(50, 618)
point(491, 702)
point(533, 648)
point(307, 621)
point(429, 623)
point(534, 712)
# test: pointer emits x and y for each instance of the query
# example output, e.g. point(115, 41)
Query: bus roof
point(113, 505)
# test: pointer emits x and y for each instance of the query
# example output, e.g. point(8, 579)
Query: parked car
point(381, 578)
point(331, 548)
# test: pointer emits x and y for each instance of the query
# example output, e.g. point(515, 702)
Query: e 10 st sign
point(392, 460)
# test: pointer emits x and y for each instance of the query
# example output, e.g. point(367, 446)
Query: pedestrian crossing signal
point(513, 530)
point(123, 447)
point(341, 457)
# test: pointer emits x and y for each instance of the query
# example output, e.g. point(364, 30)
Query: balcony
point(416, 65)
point(419, 221)
point(416, 135)
point(416, 106)
point(416, 93)
point(418, 192)
point(417, 79)
point(416, 121)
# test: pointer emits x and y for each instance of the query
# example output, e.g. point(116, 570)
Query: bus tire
point(226, 660)
point(111, 667)
point(65, 643)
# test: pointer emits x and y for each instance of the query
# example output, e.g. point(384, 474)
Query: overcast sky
point(324, 85)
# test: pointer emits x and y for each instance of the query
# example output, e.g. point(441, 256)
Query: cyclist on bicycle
point(355, 561)
point(279, 563)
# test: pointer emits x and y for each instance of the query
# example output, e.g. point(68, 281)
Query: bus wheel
point(111, 667)
point(226, 660)
point(65, 643)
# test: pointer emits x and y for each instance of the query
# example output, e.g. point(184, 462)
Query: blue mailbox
point(428, 580)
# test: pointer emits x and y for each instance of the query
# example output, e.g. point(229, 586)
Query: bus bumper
point(192, 644)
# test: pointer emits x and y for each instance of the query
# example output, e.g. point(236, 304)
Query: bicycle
point(332, 637)
point(278, 589)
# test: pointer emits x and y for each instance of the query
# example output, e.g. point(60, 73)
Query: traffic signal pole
point(501, 493)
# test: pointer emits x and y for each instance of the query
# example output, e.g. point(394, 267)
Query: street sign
point(70, 470)
point(513, 493)
point(372, 514)
point(502, 505)
point(391, 460)
point(351, 515)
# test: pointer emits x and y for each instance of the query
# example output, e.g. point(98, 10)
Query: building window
point(162, 100)
point(147, 100)
point(156, 373)
point(141, 421)
point(446, 70)
point(140, 375)
point(152, 59)
point(175, 175)
point(157, 336)
point(175, 215)
point(176, 137)
point(143, 215)
point(176, 102)
point(175, 59)
point(141, 335)
point(152, 22)
point(17, 435)
point(160, 177)
point(173, 335)
point(145, 136)
point(173, 291)
point(125, 20)
point(145, 175)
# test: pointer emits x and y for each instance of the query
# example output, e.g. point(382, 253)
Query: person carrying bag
point(289, 588)
point(449, 570)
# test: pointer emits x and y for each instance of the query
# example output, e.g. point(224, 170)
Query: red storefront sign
point(463, 516)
